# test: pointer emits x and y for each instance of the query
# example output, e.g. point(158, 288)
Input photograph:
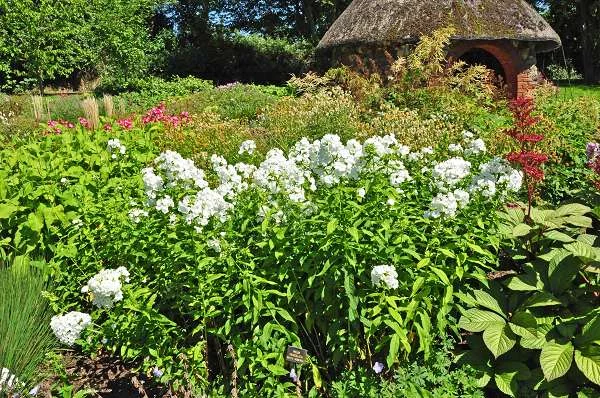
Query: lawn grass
point(575, 90)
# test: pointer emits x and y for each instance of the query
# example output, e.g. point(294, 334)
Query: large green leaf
point(525, 283)
point(486, 300)
point(499, 339)
point(556, 359)
point(523, 324)
point(7, 210)
point(588, 361)
point(572, 209)
point(476, 320)
point(521, 230)
point(508, 374)
point(589, 333)
point(582, 250)
point(542, 299)
point(536, 342)
point(558, 236)
point(562, 269)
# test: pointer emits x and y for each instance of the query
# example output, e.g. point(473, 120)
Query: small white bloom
point(455, 148)
point(391, 202)
point(248, 147)
point(215, 245)
point(68, 327)
point(384, 276)
point(136, 215)
point(361, 193)
point(105, 287)
point(115, 147)
point(164, 204)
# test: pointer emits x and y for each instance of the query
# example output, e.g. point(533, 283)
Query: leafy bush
point(434, 377)
point(24, 327)
point(241, 57)
point(549, 303)
point(286, 265)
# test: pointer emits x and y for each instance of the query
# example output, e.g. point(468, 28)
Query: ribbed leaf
point(476, 320)
point(486, 300)
point(499, 339)
point(556, 359)
point(588, 361)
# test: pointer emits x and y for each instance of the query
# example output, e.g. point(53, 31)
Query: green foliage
point(540, 324)
point(44, 40)
point(24, 324)
point(44, 184)
point(431, 378)
point(232, 57)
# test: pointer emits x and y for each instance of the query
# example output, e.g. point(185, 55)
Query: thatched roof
point(402, 21)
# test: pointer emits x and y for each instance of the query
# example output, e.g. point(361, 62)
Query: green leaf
point(475, 320)
point(580, 221)
point(521, 230)
point(317, 376)
point(508, 374)
point(486, 300)
point(537, 341)
point(562, 269)
point(442, 275)
point(556, 359)
point(331, 226)
point(499, 339)
point(572, 209)
point(7, 210)
point(525, 283)
point(588, 361)
point(558, 236)
point(393, 353)
point(582, 250)
point(589, 333)
point(523, 324)
point(542, 299)
point(354, 233)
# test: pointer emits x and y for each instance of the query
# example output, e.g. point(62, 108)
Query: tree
point(40, 38)
point(47, 39)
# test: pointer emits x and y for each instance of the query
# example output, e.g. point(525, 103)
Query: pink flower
point(108, 127)
point(52, 123)
point(126, 124)
point(84, 122)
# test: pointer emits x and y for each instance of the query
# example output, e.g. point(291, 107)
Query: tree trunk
point(587, 40)
point(309, 17)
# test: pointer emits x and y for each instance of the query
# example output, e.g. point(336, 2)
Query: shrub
point(264, 262)
point(549, 302)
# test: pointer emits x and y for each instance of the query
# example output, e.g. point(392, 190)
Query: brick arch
point(506, 54)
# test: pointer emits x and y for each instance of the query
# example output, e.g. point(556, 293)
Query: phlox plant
point(351, 250)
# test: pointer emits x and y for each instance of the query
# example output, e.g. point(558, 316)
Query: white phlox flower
point(115, 147)
point(248, 147)
point(68, 327)
point(105, 287)
point(384, 276)
point(450, 172)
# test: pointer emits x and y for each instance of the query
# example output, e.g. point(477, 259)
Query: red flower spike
point(527, 158)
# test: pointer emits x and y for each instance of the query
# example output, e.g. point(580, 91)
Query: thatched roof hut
point(509, 30)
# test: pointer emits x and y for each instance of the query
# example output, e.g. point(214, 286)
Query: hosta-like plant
point(537, 325)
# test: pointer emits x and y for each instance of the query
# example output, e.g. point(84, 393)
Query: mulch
point(108, 377)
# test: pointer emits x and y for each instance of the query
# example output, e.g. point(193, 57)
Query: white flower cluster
point(310, 164)
point(68, 327)
point(496, 173)
point(105, 287)
point(115, 147)
point(447, 204)
point(248, 147)
point(384, 276)
point(136, 215)
point(450, 172)
point(8, 381)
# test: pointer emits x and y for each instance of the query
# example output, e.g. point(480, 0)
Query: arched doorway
point(479, 56)
point(500, 56)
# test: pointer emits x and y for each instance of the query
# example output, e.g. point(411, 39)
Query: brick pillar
point(524, 84)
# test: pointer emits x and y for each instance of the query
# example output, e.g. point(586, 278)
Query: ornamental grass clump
point(25, 337)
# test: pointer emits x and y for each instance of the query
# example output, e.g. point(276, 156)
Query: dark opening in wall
point(478, 56)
